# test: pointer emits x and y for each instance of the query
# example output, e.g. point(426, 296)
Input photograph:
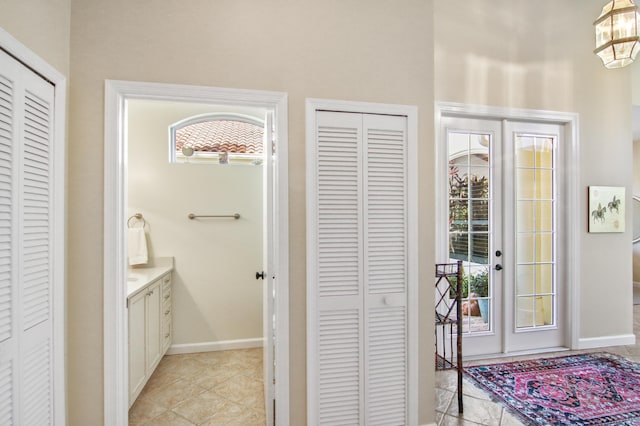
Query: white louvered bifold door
point(357, 291)
point(26, 332)
point(385, 269)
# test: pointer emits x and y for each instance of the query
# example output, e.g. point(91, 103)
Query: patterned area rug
point(588, 389)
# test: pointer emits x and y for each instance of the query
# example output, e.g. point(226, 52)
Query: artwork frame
point(606, 209)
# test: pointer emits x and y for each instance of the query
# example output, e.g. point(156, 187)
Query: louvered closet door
point(26, 333)
point(357, 275)
point(385, 269)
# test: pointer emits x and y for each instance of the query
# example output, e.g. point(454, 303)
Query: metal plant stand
point(448, 320)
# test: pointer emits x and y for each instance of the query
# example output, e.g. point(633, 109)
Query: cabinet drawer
point(166, 282)
point(166, 334)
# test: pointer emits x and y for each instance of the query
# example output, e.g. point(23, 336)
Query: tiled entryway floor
point(225, 388)
point(480, 410)
point(209, 388)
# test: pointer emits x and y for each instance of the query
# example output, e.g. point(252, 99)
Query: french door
point(504, 189)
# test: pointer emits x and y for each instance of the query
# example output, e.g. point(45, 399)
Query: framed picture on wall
point(606, 208)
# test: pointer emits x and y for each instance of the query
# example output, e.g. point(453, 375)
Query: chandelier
point(617, 33)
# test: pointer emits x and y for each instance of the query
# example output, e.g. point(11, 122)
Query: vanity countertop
point(139, 277)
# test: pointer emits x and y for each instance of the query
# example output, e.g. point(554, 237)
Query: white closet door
point(357, 273)
point(26, 329)
point(385, 269)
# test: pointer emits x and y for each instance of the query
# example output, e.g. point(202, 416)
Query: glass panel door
point(535, 192)
point(503, 188)
point(534, 233)
point(472, 182)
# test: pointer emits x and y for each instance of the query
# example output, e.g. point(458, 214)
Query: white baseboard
point(606, 341)
point(224, 345)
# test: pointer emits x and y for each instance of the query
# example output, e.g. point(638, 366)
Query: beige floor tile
point(509, 419)
point(443, 399)
point(448, 420)
point(478, 411)
point(206, 406)
point(245, 417)
point(143, 411)
point(179, 392)
point(169, 418)
point(171, 395)
point(242, 390)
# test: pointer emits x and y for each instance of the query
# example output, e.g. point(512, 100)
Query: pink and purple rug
point(588, 389)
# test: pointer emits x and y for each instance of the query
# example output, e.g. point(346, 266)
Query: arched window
point(217, 138)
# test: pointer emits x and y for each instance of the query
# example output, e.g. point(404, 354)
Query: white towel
point(137, 246)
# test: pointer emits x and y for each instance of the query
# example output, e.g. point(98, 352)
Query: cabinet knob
point(166, 335)
point(166, 296)
point(167, 312)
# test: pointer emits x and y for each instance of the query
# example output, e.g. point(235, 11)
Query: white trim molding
point(223, 345)
point(27, 57)
point(606, 341)
point(115, 194)
point(572, 190)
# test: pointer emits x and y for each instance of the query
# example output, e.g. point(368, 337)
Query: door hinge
point(127, 303)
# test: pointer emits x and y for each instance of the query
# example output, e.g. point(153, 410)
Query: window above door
point(220, 138)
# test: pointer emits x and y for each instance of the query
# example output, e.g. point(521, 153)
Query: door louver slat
point(339, 365)
point(6, 393)
point(386, 221)
point(37, 386)
point(6, 194)
point(36, 301)
point(387, 366)
point(338, 211)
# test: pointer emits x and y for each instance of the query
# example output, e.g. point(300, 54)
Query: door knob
point(498, 253)
point(260, 275)
point(498, 267)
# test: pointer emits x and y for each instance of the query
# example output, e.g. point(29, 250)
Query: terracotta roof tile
point(221, 136)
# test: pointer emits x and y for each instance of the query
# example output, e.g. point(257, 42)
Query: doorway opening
point(129, 186)
point(504, 211)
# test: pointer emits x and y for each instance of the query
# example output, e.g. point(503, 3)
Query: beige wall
point(495, 52)
point(41, 25)
point(538, 55)
point(377, 51)
point(215, 294)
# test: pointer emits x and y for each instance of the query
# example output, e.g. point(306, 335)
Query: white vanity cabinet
point(148, 337)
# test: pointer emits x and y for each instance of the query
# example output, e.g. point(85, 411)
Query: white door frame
point(115, 192)
point(571, 179)
point(23, 54)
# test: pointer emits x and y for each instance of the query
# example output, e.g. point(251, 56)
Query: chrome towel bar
point(194, 216)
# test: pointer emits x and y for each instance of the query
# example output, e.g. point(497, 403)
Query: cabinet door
point(137, 358)
point(153, 326)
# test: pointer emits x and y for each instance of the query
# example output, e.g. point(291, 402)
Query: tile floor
point(479, 409)
point(225, 388)
point(209, 388)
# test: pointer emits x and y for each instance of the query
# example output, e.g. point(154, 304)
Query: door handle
point(498, 267)
point(260, 275)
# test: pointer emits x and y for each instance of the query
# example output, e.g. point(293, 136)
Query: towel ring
point(139, 217)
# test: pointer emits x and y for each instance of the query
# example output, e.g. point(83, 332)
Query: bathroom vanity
point(149, 309)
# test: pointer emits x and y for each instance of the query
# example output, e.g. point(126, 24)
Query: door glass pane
point(524, 279)
point(525, 214)
point(524, 312)
point(535, 236)
point(470, 223)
